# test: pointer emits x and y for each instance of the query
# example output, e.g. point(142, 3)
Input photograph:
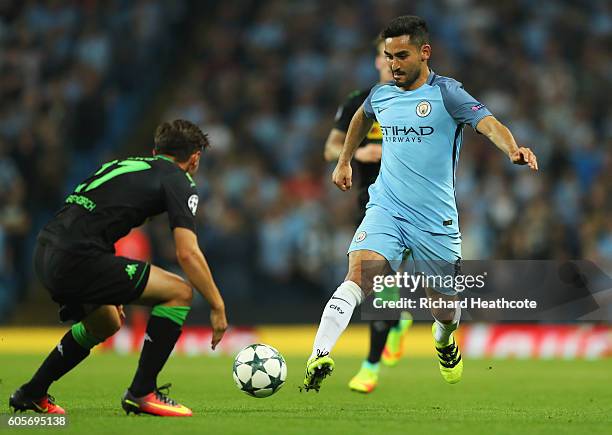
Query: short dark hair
point(411, 25)
point(179, 139)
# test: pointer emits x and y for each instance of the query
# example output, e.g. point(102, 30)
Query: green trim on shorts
point(176, 314)
point(142, 274)
point(84, 338)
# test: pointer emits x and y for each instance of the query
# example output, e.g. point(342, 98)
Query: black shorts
point(82, 282)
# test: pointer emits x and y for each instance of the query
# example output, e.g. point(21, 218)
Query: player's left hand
point(218, 321)
point(524, 156)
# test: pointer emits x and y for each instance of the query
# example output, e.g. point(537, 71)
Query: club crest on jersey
point(192, 203)
point(423, 108)
point(360, 237)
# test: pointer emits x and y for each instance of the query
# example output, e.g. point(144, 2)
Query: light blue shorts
point(393, 237)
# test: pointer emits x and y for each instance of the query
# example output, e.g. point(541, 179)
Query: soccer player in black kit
point(75, 260)
point(385, 335)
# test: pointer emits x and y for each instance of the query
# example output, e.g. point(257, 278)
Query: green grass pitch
point(494, 397)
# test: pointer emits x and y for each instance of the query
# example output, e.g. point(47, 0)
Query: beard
point(408, 79)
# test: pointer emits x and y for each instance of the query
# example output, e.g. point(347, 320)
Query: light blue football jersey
point(422, 133)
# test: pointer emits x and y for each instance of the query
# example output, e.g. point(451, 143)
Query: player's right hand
point(219, 325)
point(371, 153)
point(343, 176)
point(524, 156)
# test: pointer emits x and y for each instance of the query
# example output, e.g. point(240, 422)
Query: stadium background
point(85, 82)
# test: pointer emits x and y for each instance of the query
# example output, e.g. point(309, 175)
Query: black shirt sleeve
point(347, 110)
point(181, 200)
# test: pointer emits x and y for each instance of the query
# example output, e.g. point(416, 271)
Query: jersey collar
point(430, 77)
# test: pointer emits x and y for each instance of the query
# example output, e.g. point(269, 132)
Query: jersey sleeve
point(367, 104)
point(464, 108)
point(347, 110)
point(181, 200)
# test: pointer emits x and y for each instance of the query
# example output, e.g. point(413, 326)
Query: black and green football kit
point(75, 256)
point(75, 260)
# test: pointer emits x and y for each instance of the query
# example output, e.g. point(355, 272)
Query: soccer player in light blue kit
point(412, 203)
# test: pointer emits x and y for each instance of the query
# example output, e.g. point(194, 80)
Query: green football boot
point(366, 378)
point(317, 369)
point(449, 356)
point(394, 347)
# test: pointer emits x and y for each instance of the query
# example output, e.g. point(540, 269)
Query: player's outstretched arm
point(501, 136)
point(358, 128)
point(192, 261)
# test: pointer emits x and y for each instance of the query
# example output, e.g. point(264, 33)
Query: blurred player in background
point(412, 203)
point(75, 260)
point(386, 336)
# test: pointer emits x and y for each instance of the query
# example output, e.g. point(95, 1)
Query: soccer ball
point(259, 370)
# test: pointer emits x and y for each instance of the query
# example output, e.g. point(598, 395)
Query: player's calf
point(334, 320)
point(337, 314)
point(173, 297)
point(73, 348)
point(336, 317)
point(103, 322)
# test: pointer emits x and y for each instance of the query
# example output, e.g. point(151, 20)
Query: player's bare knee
point(183, 295)
point(366, 286)
point(112, 327)
point(355, 274)
point(356, 278)
point(364, 267)
point(441, 309)
point(443, 315)
point(187, 295)
point(365, 279)
point(103, 323)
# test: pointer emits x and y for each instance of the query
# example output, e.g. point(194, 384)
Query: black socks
point(66, 355)
point(379, 329)
point(160, 338)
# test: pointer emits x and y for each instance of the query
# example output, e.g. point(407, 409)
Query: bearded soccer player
point(74, 259)
point(385, 335)
point(412, 203)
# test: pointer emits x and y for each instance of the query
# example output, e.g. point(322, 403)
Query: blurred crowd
point(264, 81)
point(73, 78)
